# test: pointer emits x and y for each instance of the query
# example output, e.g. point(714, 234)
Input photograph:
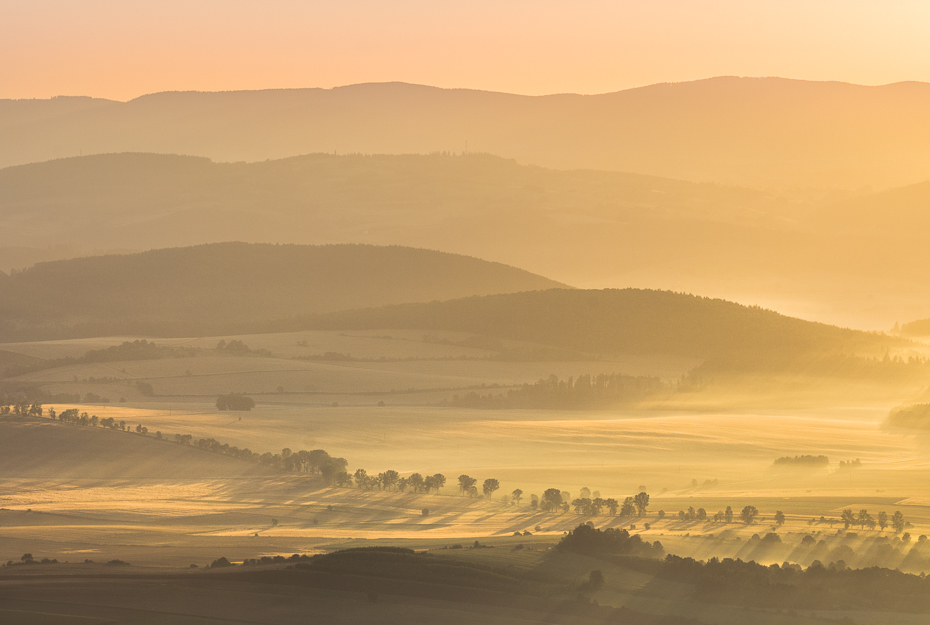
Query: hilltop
point(197, 289)
point(748, 131)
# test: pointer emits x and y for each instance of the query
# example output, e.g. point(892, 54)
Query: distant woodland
point(585, 391)
point(916, 416)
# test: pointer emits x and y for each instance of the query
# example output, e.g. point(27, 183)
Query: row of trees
point(590, 504)
point(314, 463)
point(391, 480)
point(864, 519)
point(333, 470)
point(22, 409)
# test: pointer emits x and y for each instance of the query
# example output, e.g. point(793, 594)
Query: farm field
point(80, 493)
point(162, 539)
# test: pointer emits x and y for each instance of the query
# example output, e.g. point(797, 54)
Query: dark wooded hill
point(614, 321)
point(195, 289)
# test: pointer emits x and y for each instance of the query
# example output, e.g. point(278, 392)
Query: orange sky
point(123, 48)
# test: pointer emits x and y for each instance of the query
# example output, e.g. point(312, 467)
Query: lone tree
point(728, 515)
point(779, 518)
point(551, 499)
point(466, 483)
point(516, 496)
point(642, 502)
point(389, 479)
point(848, 518)
point(439, 480)
point(490, 485)
point(628, 508)
point(612, 505)
point(897, 522)
point(749, 514)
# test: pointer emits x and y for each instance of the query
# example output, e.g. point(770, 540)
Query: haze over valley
point(391, 352)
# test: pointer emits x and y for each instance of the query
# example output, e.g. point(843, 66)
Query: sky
point(121, 49)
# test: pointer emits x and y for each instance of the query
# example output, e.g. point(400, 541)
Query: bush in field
point(234, 401)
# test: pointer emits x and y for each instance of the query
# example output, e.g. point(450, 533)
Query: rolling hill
point(850, 261)
point(49, 450)
point(630, 321)
point(748, 131)
point(196, 289)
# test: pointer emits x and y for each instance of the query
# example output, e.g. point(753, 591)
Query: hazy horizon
point(333, 87)
point(121, 51)
point(495, 313)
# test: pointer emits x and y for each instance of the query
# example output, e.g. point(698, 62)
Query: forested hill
point(624, 321)
point(195, 290)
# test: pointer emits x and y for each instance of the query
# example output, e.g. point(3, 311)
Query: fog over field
point(374, 351)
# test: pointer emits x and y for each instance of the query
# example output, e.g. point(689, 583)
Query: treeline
point(316, 463)
point(141, 349)
point(33, 395)
point(805, 460)
point(863, 519)
point(915, 416)
point(391, 480)
point(587, 540)
point(585, 391)
point(789, 586)
point(125, 351)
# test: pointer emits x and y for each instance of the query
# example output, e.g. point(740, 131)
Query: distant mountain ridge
point(847, 260)
point(758, 132)
point(198, 288)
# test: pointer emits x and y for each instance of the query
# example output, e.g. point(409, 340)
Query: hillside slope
point(198, 288)
point(850, 261)
point(624, 321)
point(50, 450)
point(749, 131)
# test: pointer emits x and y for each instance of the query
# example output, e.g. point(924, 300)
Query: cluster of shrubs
point(275, 560)
point(27, 559)
point(805, 460)
point(234, 401)
point(590, 541)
